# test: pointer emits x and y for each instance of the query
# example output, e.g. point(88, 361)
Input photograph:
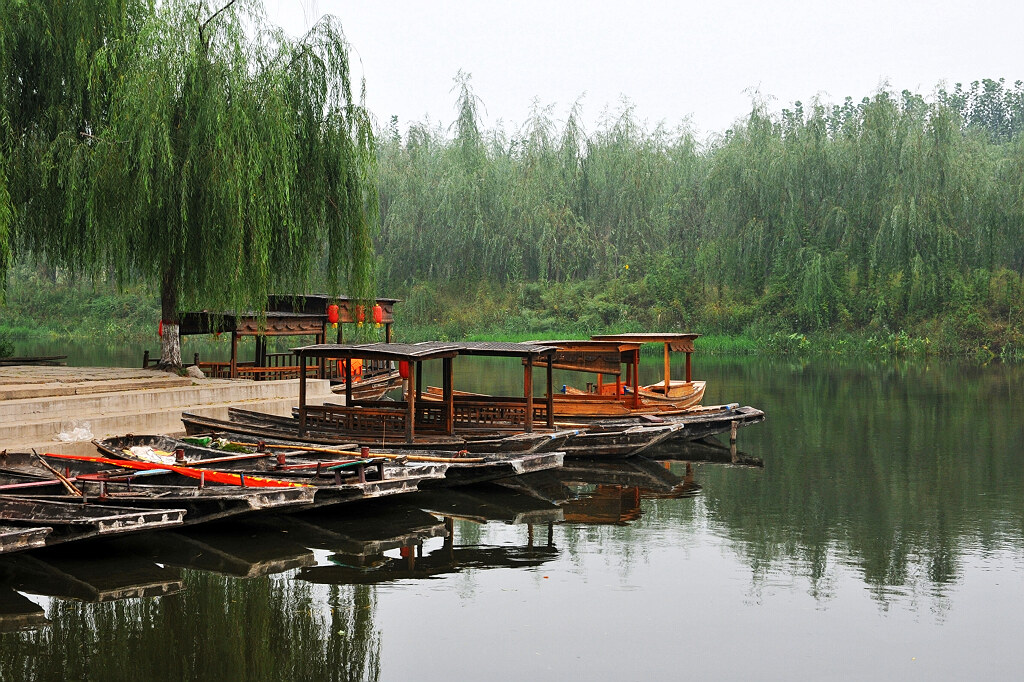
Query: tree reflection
point(216, 628)
point(897, 469)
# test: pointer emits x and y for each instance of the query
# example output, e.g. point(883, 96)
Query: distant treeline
point(897, 219)
point(897, 212)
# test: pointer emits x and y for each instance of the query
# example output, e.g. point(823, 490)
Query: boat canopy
point(681, 343)
point(599, 357)
point(411, 356)
point(395, 352)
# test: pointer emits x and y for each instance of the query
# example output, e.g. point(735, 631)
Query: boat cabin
point(415, 414)
point(606, 356)
point(680, 343)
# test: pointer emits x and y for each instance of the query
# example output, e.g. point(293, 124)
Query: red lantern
point(360, 314)
point(160, 329)
point(378, 314)
point(332, 313)
point(403, 369)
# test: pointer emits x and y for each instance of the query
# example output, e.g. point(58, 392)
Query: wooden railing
point(276, 366)
point(470, 413)
point(388, 420)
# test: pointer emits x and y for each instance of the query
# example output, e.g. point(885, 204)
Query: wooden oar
point(386, 455)
point(71, 488)
point(208, 476)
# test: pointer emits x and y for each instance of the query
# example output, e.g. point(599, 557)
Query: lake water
point(882, 539)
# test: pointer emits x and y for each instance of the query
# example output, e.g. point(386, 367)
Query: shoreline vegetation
point(45, 313)
point(889, 226)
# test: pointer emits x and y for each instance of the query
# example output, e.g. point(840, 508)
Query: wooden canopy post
point(321, 337)
point(528, 390)
point(410, 416)
point(668, 369)
point(348, 382)
point(448, 394)
point(551, 395)
point(688, 367)
point(302, 395)
point(233, 373)
point(419, 381)
point(636, 378)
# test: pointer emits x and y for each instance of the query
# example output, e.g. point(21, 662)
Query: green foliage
point(6, 344)
point(188, 144)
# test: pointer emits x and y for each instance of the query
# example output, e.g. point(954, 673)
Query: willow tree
point(51, 101)
point(234, 160)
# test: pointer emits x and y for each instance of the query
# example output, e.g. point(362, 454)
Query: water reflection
point(903, 479)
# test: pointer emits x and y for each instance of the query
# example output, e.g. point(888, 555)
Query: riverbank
point(40, 314)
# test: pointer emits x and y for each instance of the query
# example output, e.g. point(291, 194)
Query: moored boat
point(301, 461)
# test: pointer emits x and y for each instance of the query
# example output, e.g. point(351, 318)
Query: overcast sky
point(675, 61)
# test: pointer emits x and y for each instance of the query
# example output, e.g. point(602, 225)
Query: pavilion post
point(449, 395)
point(410, 417)
point(688, 367)
point(636, 378)
point(302, 395)
point(528, 390)
point(419, 380)
point(668, 369)
point(321, 337)
point(551, 393)
point(233, 373)
point(348, 382)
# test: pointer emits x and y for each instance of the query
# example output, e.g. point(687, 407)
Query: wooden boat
point(475, 424)
point(22, 474)
point(334, 487)
point(698, 423)
point(606, 356)
point(302, 461)
point(18, 539)
point(73, 521)
point(258, 425)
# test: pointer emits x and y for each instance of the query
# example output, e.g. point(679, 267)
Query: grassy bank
point(42, 311)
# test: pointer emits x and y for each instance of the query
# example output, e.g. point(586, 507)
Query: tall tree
point(50, 102)
point(229, 160)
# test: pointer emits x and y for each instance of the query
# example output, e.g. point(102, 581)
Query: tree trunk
point(170, 341)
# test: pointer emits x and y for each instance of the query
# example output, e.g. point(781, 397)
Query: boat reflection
point(18, 612)
point(109, 575)
point(605, 492)
point(470, 506)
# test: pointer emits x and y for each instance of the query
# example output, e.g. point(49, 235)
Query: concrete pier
point(38, 403)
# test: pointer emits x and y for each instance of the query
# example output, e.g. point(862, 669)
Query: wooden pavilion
point(414, 414)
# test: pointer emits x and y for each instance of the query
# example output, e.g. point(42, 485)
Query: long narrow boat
point(333, 488)
point(18, 539)
point(23, 474)
point(303, 461)
point(487, 424)
point(73, 521)
point(614, 397)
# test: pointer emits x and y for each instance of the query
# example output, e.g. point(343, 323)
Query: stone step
point(19, 391)
point(202, 392)
point(42, 436)
point(153, 411)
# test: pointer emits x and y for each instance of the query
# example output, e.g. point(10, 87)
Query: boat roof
point(595, 344)
point(588, 355)
point(677, 341)
point(409, 352)
point(503, 348)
